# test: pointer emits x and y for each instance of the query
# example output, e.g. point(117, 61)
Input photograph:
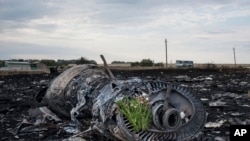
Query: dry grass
point(14, 72)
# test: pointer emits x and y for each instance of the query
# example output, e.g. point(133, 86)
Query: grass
point(137, 111)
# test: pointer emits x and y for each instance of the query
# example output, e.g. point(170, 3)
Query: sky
point(126, 30)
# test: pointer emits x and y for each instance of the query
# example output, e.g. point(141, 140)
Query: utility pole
point(234, 58)
point(166, 53)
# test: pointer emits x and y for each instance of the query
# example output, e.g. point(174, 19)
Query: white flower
point(182, 114)
point(144, 94)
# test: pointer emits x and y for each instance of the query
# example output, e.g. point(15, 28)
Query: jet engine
point(88, 96)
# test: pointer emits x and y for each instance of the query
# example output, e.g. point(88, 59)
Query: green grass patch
point(137, 111)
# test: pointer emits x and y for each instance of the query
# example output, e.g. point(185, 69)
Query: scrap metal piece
point(107, 68)
point(49, 114)
point(217, 103)
point(215, 124)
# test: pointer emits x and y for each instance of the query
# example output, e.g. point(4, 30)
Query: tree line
point(143, 63)
point(51, 62)
point(83, 60)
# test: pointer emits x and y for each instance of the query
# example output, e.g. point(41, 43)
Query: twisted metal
point(86, 92)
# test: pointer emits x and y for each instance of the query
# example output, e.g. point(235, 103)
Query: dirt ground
point(223, 92)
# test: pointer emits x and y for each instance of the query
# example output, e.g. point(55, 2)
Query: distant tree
point(135, 64)
point(83, 60)
point(13, 60)
point(2, 63)
point(158, 64)
point(92, 62)
point(66, 62)
point(146, 62)
point(118, 62)
point(49, 62)
point(32, 60)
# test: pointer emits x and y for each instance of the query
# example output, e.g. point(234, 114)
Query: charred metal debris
point(84, 99)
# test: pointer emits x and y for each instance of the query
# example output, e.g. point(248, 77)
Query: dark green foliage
point(83, 60)
point(48, 62)
point(20, 60)
point(2, 63)
point(146, 62)
point(159, 64)
point(61, 62)
point(92, 62)
point(143, 63)
point(134, 64)
point(118, 62)
point(51, 62)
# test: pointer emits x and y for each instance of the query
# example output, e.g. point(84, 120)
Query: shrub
point(146, 62)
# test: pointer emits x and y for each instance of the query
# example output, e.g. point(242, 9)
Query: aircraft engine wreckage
point(90, 98)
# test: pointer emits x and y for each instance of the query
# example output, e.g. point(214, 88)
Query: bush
point(159, 64)
point(146, 62)
point(48, 62)
point(83, 60)
point(118, 62)
point(135, 64)
point(2, 63)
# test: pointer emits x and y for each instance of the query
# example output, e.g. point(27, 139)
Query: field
point(223, 92)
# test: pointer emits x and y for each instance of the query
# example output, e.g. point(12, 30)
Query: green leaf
point(138, 114)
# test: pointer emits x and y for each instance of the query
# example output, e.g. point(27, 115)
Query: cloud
point(14, 50)
point(124, 30)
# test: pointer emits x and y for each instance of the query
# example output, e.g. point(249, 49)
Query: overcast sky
point(205, 31)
